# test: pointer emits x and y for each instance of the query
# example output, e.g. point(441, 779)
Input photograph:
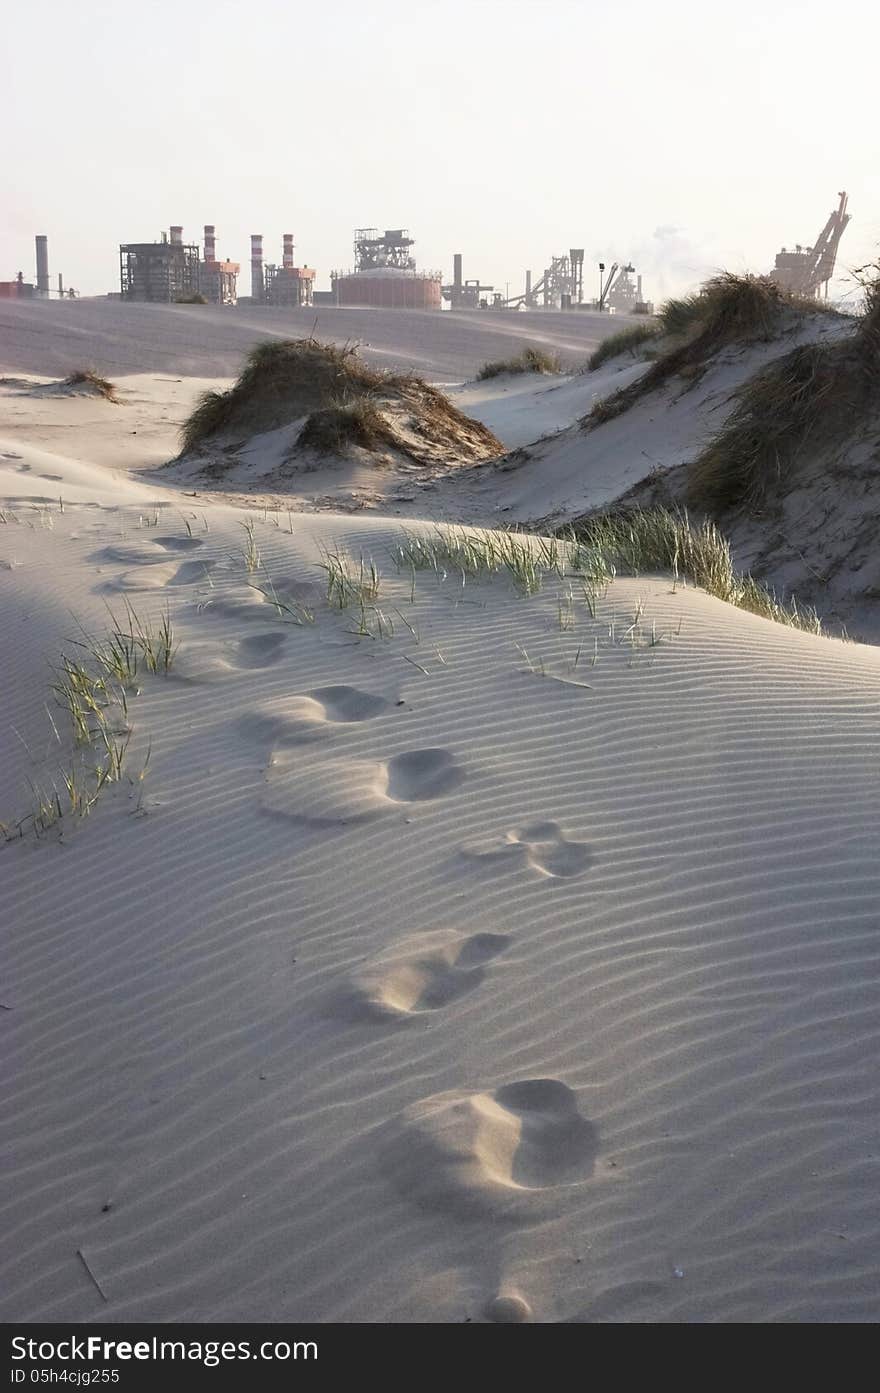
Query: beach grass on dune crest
point(625, 342)
point(728, 309)
point(344, 401)
point(282, 380)
point(813, 397)
point(529, 360)
point(657, 539)
point(85, 377)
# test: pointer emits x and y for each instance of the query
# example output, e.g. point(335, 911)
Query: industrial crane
point(807, 269)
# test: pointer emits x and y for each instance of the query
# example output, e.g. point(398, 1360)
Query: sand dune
point(480, 965)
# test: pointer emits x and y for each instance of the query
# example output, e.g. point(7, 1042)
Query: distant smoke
point(672, 262)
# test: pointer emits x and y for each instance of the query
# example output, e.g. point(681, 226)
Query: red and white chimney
point(257, 284)
point(287, 262)
point(210, 243)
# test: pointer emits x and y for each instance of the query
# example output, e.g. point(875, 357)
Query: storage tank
point(388, 288)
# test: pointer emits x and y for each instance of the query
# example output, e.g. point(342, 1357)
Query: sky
point(688, 136)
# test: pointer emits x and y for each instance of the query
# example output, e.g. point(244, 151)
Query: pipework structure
point(807, 270)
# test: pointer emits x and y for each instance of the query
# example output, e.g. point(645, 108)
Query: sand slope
point(431, 971)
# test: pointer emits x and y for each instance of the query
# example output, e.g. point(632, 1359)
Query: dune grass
point(85, 377)
point(657, 539)
point(811, 398)
point(728, 309)
point(93, 691)
point(529, 360)
point(283, 380)
point(334, 428)
point(625, 342)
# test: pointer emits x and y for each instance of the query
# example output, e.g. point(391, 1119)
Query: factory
point(385, 274)
point(172, 270)
point(286, 286)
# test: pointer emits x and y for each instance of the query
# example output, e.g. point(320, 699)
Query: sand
point(515, 964)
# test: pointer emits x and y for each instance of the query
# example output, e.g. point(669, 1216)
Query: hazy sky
point(686, 135)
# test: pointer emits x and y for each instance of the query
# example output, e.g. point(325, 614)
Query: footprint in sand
point(179, 543)
point(421, 972)
point(540, 846)
point(495, 1149)
point(259, 650)
point(350, 790)
point(311, 715)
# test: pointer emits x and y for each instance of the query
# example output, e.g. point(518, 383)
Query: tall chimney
point(210, 242)
point(528, 290)
point(257, 286)
point(456, 280)
point(176, 236)
point(42, 265)
point(287, 261)
point(60, 287)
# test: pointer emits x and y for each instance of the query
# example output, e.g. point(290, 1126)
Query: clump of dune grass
point(728, 309)
point(333, 429)
point(530, 360)
point(84, 377)
point(813, 397)
point(657, 539)
point(344, 401)
point(282, 381)
point(627, 341)
point(195, 298)
point(93, 689)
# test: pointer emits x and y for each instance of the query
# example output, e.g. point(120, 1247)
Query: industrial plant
point(172, 270)
point(287, 286)
point(385, 276)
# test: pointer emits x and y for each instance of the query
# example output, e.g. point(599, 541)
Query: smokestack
point(42, 265)
point(60, 287)
point(528, 290)
point(257, 287)
point(176, 236)
point(456, 280)
point(287, 261)
point(639, 283)
point(210, 242)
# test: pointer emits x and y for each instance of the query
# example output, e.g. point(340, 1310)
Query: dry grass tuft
point(530, 360)
point(283, 380)
point(333, 429)
point(84, 377)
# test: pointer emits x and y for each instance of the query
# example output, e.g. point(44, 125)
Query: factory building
point(172, 270)
point(286, 286)
point(385, 274)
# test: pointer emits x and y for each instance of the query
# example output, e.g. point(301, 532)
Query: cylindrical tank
point(287, 261)
point(257, 287)
point(42, 265)
point(176, 235)
point(388, 289)
point(210, 243)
